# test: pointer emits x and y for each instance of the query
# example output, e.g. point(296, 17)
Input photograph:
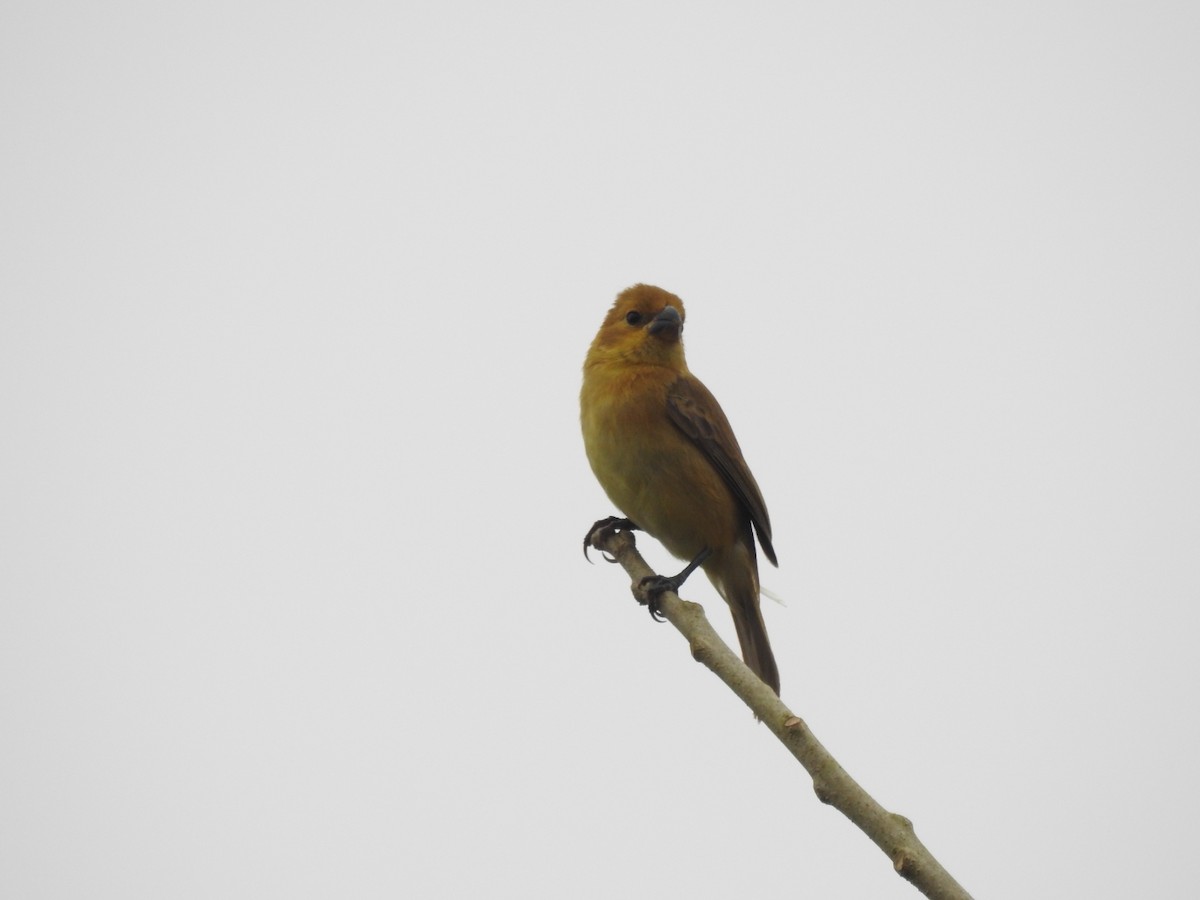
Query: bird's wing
point(695, 412)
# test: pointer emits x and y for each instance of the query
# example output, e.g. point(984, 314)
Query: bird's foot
point(649, 593)
point(602, 530)
point(650, 589)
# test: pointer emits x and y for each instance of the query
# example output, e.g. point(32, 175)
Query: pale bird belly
point(672, 496)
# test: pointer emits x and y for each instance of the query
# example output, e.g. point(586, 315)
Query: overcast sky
point(293, 303)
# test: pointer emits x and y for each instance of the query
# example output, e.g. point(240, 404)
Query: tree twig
point(891, 832)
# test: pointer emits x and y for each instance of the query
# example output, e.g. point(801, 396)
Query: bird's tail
point(737, 582)
point(756, 648)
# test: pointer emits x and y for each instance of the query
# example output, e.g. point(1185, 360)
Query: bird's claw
point(651, 588)
point(649, 593)
point(601, 531)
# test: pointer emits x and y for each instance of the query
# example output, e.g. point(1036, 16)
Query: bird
point(665, 454)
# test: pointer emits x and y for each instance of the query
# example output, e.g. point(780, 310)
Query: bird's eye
point(634, 317)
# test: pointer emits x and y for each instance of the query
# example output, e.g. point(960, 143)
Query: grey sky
point(292, 309)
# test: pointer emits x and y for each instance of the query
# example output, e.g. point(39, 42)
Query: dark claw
point(603, 529)
point(652, 587)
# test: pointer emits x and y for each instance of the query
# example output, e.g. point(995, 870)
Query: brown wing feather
point(695, 412)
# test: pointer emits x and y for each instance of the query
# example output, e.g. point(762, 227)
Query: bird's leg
point(602, 530)
point(652, 586)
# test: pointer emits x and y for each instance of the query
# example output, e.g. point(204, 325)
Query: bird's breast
point(653, 473)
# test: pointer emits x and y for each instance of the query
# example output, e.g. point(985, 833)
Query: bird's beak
point(667, 323)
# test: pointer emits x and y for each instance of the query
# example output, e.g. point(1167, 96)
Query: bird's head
point(645, 325)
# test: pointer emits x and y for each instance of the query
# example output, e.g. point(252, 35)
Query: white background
point(294, 300)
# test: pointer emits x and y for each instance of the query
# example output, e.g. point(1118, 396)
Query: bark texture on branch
point(891, 832)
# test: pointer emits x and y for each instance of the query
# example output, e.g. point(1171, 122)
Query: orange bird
point(665, 454)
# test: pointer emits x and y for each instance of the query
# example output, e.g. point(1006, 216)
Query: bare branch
point(891, 832)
